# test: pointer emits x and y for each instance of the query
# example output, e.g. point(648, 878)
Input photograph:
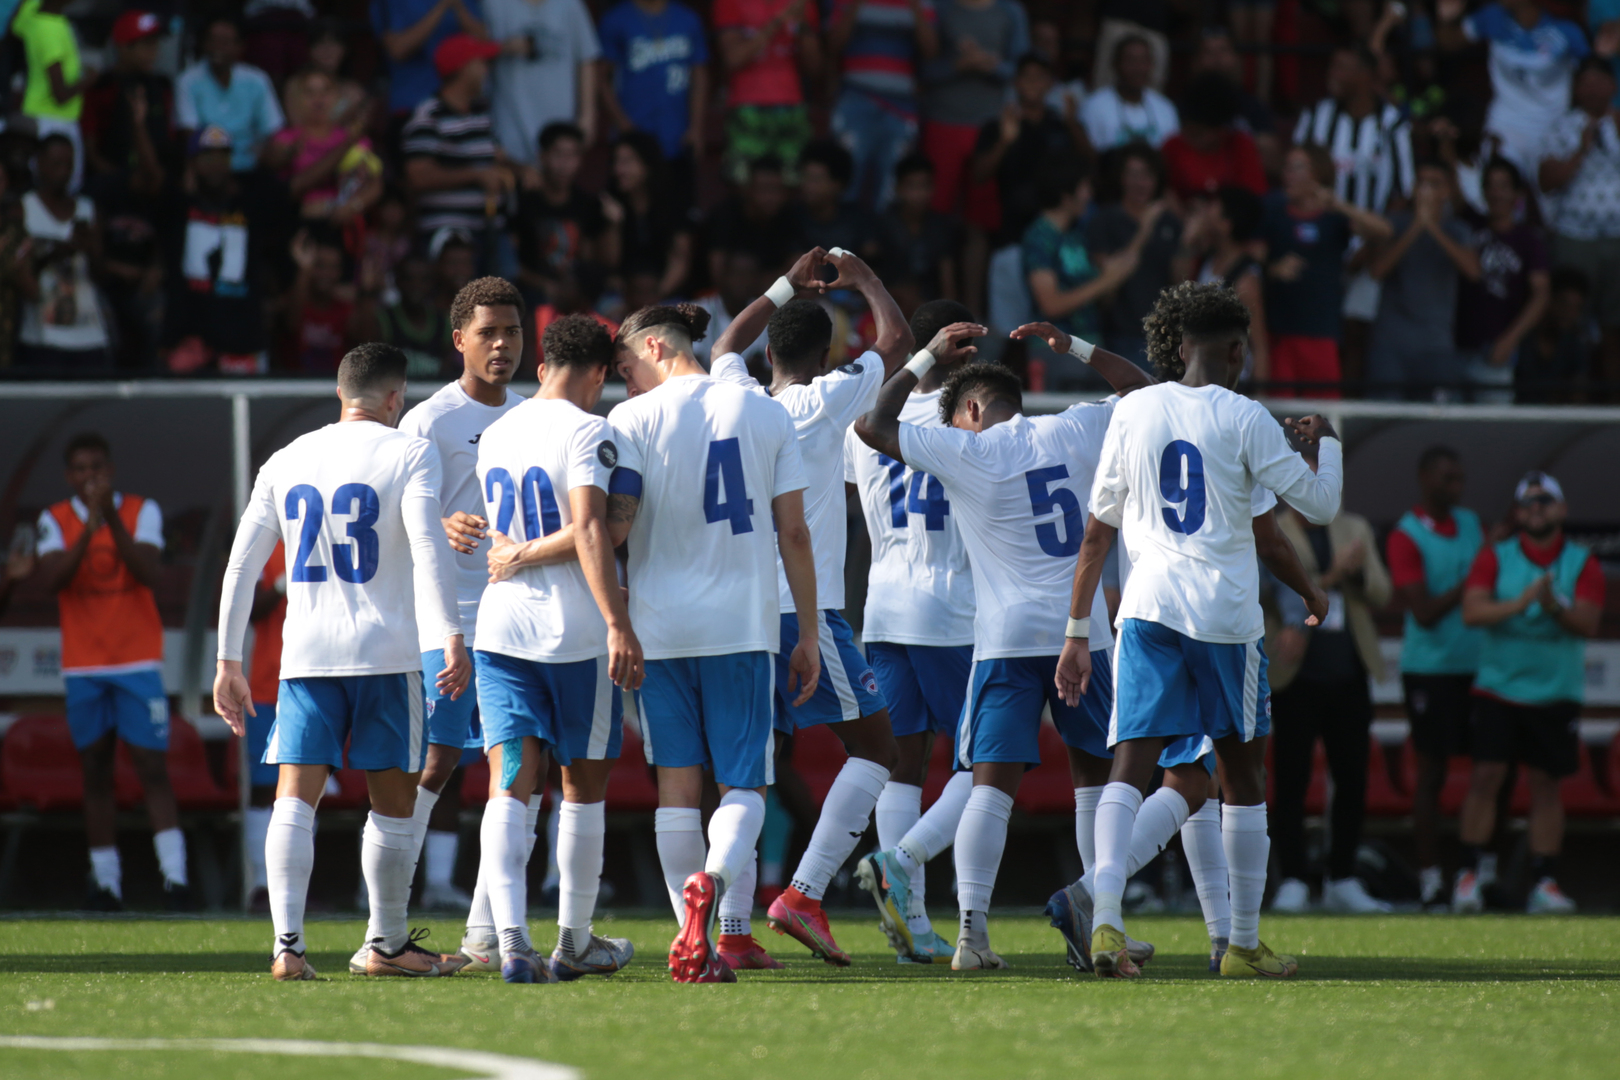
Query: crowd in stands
point(1417, 200)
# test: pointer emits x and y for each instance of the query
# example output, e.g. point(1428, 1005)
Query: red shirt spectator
point(771, 77)
point(1230, 160)
point(1589, 586)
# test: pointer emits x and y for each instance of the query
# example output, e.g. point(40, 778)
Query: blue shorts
point(450, 723)
point(1171, 685)
point(847, 689)
point(711, 710)
point(1006, 696)
point(132, 703)
point(573, 708)
point(379, 717)
point(925, 685)
point(258, 738)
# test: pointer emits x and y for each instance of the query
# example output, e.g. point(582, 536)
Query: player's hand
point(1289, 267)
point(464, 530)
point(1057, 340)
point(1311, 430)
point(805, 273)
point(953, 344)
point(1317, 605)
point(232, 698)
point(853, 273)
point(504, 557)
point(1538, 590)
point(804, 669)
point(626, 667)
point(457, 673)
point(1074, 670)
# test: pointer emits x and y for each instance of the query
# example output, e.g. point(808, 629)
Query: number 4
point(725, 470)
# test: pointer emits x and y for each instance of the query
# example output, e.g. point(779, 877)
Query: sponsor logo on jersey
point(607, 453)
point(475, 438)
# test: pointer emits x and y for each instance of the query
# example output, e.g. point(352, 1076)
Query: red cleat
point(716, 971)
point(693, 948)
point(742, 953)
point(802, 919)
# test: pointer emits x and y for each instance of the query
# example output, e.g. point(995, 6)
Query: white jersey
point(1177, 477)
point(822, 413)
point(454, 423)
point(920, 591)
point(1019, 491)
point(710, 456)
point(528, 463)
point(357, 505)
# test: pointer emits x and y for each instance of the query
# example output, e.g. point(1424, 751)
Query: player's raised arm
point(254, 544)
point(752, 320)
point(1276, 466)
point(1120, 373)
point(434, 570)
point(894, 341)
point(880, 428)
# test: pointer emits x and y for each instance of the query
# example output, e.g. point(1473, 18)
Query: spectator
point(768, 48)
point(1581, 166)
point(455, 263)
point(1412, 345)
point(19, 564)
point(412, 31)
point(758, 219)
point(1217, 53)
point(1553, 363)
point(269, 615)
point(53, 96)
point(15, 276)
point(919, 243)
point(387, 240)
point(1222, 233)
point(1011, 148)
point(215, 235)
point(61, 325)
point(881, 43)
point(326, 162)
point(1539, 596)
point(561, 230)
point(1430, 550)
point(113, 140)
point(827, 220)
point(739, 283)
point(452, 165)
point(219, 91)
point(275, 36)
point(328, 49)
point(1320, 691)
point(128, 207)
point(655, 239)
point(1138, 222)
point(1532, 63)
point(1130, 109)
point(1209, 152)
point(1068, 93)
point(546, 70)
point(417, 323)
point(657, 54)
point(319, 312)
point(1306, 229)
point(99, 552)
point(967, 81)
point(1499, 310)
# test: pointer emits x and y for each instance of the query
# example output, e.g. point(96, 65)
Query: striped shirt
point(1371, 156)
point(456, 141)
point(881, 57)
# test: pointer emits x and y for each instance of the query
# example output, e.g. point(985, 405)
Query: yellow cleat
point(1110, 955)
point(1261, 963)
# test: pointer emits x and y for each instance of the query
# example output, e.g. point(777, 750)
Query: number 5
point(1044, 501)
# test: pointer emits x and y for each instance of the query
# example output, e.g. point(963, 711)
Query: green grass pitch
point(1405, 996)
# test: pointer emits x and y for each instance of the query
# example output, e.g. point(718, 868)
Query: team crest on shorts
point(869, 681)
point(1268, 706)
point(431, 705)
point(607, 453)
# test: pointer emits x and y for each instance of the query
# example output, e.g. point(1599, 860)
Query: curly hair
point(1189, 308)
point(986, 382)
point(576, 341)
point(688, 319)
point(483, 292)
point(800, 332)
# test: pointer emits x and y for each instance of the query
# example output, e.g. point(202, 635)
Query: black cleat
point(98, 898)
point(177, 897)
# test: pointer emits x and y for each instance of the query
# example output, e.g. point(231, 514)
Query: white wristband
point(838, 251)
point(1079, 628)
point(920, 362)
point(1082, 348)
point(781, 292)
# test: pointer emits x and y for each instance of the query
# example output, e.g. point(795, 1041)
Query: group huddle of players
point(690, 547)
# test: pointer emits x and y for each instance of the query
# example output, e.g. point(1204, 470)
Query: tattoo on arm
point(621, 509)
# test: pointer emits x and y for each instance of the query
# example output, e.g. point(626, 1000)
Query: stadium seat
point(189, 775)
point(817, 756)
point(475, 783)
point(1389, 784)
point(631, 787)
point(351, 794)
point(1048, 788)
point(1590, 792)
point(39, 766)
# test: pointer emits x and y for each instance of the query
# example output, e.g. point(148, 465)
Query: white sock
point(1116, 820)
point(480, 919)
point(386, 848)
point(289, 856)
point(170, 845)
point(504, 858)
point(553, 824)
point(980, 839)
point(425, 802)
point(936, 830)
point(256, 824)
point(679, 832)
point(1085, 824)
point(734, 834)
point(108, 870)
point(1205, 849)
point(1160, 815)
point(579, 858)
point(843, 820)
point(441, 858)
point(898, 809)
point(1248, 850)
point(737, 902)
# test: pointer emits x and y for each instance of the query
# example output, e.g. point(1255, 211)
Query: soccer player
point(1429, 553)
point(1016, 485)
point(703, 599)
point(1539, 596)
point(823, 405)
point(99, 552)
point(554, 638)
point(1177, 476)
point(918, 633)
point(357, 505)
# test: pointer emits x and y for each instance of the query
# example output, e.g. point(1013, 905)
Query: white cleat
point(1140, 952)
point(1548, 899)
point(1293, 897)
point(1468, 895)
point(483, 952)
point(969, 958)
point(1348, 896)
point(361, 957)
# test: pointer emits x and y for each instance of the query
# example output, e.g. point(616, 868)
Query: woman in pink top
point(326, 160)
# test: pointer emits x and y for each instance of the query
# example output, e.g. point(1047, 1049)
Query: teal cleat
point(881, 875)
point(928, 948)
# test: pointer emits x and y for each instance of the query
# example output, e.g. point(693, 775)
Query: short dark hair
point(483, 292)
point(1034, 58)
point(1243, 210)
point(371, 366)
point(986, 382)
point(1363, 55)
point(86, 440)
point(1594, 62)
point(1211, 99)
point(934, 316)
point(1139, 151)
point(1571, 279)
point(1126, 42)
point(831, 155)
point(1497, 162)
point(688, 319)
point(1435, 454)
point(914, 162)
point(560, 129)
point(1056, 180)
point(577, 341)
point(55, 138)
point(799, 333)
point(765, 163)
point(214, 20)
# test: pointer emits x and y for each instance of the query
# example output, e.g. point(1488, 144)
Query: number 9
point(1181, 480)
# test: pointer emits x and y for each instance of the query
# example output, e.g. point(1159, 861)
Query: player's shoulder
point(419, 417)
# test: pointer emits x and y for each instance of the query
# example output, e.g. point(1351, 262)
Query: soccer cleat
point(1110, 956)
point(742, 953)
point(802, 919)
point(291, 967)
point(1431, 887)
point(1257, 963)
point(603, 956)
point(526, 966)
point(715, 971)
point(928, 948)
point(1468, 894)
point(483, 953)
point(693, 948)
point(1293, 897)
point(881, 875)
point(411, 961)
point(1548, 899)
point(1070, 912)
point(177, 897)
point(445, 898)
point(1217, 953)
point(1348, 896)
point(972, 958)
point(1140, 952)
point(360, 960)
point(98, 898)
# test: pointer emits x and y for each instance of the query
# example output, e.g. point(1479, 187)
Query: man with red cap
point(128, 111)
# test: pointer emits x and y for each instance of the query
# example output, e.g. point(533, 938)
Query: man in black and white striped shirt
point(1370, 141)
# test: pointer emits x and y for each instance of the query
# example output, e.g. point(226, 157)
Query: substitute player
point(703, 599)
point(357, 505)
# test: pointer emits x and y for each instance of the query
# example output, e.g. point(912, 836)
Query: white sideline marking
point(482, 1063)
